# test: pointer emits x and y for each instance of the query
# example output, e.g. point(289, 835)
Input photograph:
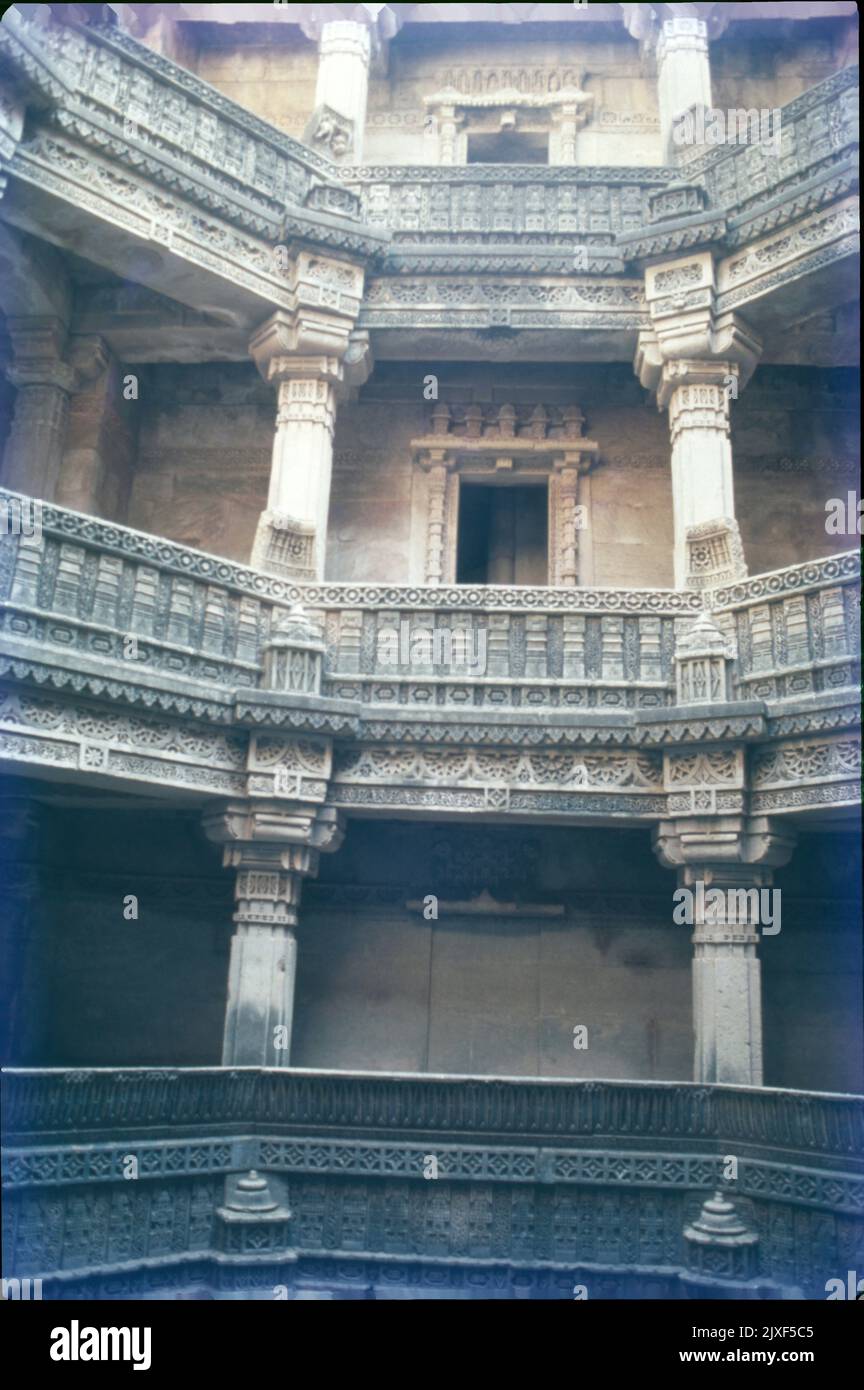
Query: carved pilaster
point(272, 848)
point(307, 354)
point(44, 382)
point(441, 504)
point(697, 362)
point(724, 865)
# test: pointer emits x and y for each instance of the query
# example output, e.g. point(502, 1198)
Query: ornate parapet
point(206, 681)
point(132, 146)
point(561, 1159)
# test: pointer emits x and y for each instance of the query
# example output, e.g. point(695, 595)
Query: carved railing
point(83, 589)
point(504, 647)
point(435, 211)
point(557, 1180)
point(797, 630)
point(109, 91)
point(59, 1105)
point(818, 137)
point(88, 595)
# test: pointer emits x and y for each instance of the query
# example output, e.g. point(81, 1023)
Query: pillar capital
point(727, 845)
point(39, 346)
point(685, 327)
point(281, 826)
point(380, 22)
point(647, 22)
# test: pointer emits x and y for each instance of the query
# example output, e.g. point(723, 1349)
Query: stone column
point(677, 36)
point(272, 847)
point(344, 51)
point(44, 382)
point(683, 72)
point(310, 355)
point(735, 855)
point(291, 541)
point(703, 490)
point(697, 362)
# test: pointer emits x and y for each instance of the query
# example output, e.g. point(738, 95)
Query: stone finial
point(293, 657)
point(251, 1222)
point(719, 1244)
point(703, 664)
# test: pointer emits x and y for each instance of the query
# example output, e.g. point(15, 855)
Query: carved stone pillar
point(683, 71)
point(308, 355)
point(697, 362)
point(44, 382)
point(344, 50)
point(724, 864)
point(291, 540)
point(349, 38)
point(677, 35)
point(273, 847)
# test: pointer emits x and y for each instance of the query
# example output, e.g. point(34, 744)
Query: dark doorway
point(503, 535)
point(508, 147)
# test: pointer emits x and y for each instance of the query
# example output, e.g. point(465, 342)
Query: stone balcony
point(73, 595)
point(228, 656)
point(118, 146)
point(533, 1178)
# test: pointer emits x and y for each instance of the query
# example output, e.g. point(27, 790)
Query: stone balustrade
point(505, 208)
point(92, 597)
point(554, 1159)
point(818, 131)
point(797, 630)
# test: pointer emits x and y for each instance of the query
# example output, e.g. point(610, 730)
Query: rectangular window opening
point(503, 534)
point(509, 147)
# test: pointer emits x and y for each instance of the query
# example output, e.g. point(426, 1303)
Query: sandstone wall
point(271, 70)
point(204, 458)
point(379, 987)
